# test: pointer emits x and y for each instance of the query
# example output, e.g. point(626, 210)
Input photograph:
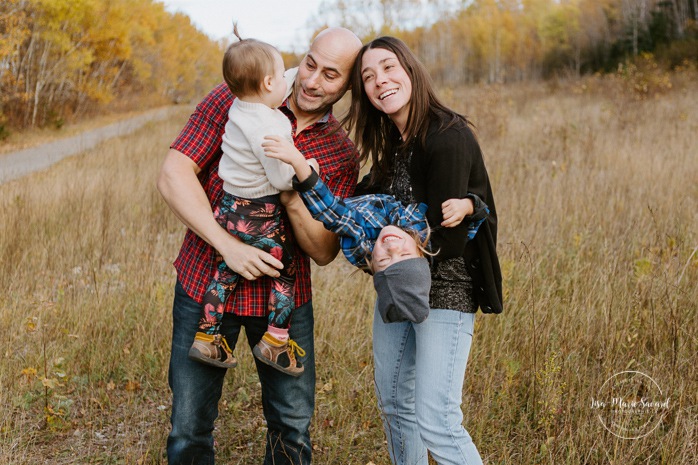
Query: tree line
point(62, 59)
point(513, 40)
point(65, 59)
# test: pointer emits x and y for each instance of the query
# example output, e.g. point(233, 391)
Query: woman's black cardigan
point(450, 165)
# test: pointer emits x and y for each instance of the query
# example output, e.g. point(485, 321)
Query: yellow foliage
point(552, 390)
point(51, 383)
point(643, 268)
point(31, 324)
point(643, 77)
point(67, 57)
point(29, 373)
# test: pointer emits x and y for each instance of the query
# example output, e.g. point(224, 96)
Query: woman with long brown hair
point(422, 151)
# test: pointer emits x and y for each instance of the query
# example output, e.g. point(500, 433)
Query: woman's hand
point(454, 210)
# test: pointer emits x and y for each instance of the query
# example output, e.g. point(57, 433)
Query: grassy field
point(597, 188)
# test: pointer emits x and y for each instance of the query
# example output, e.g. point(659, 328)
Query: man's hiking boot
point(279, 355)
point(212, 349)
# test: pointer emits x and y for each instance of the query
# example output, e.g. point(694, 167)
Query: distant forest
point(514, 40)
point(61, 60)
point(65, 59)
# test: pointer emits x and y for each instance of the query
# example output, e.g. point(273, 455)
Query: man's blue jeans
point(288, 402)
point(419, 373)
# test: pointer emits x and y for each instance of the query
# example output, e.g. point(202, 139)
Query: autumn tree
point(13, 33)
point(65, 58)
point(510, 40)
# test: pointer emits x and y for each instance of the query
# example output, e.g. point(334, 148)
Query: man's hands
point(248, 261)
point(454, 210)
point(181, 189)
point(281, 149)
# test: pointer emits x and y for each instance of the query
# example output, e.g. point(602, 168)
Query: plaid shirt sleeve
point(359, 220)
point(412, 217)
point(337, 217)
point(480, 214)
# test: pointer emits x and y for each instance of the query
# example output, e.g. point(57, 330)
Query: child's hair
point(422, 241)
point(246, 63)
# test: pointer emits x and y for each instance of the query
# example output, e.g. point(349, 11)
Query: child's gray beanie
point(403, 291)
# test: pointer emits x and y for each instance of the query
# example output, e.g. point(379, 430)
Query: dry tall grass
point(597, 195)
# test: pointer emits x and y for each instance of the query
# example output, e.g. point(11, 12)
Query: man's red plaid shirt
point(200, 140)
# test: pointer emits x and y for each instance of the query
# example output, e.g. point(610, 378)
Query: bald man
point(189, 183)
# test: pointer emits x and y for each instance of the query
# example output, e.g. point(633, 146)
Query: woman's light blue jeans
point(419, 373)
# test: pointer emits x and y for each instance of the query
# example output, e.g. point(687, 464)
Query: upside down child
point(379, 234)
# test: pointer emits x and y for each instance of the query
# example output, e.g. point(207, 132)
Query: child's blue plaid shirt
point(359, 220)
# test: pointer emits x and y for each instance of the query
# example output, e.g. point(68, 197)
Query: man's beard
point(321, 106)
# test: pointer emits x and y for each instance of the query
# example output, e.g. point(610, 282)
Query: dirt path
point(17, 164)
